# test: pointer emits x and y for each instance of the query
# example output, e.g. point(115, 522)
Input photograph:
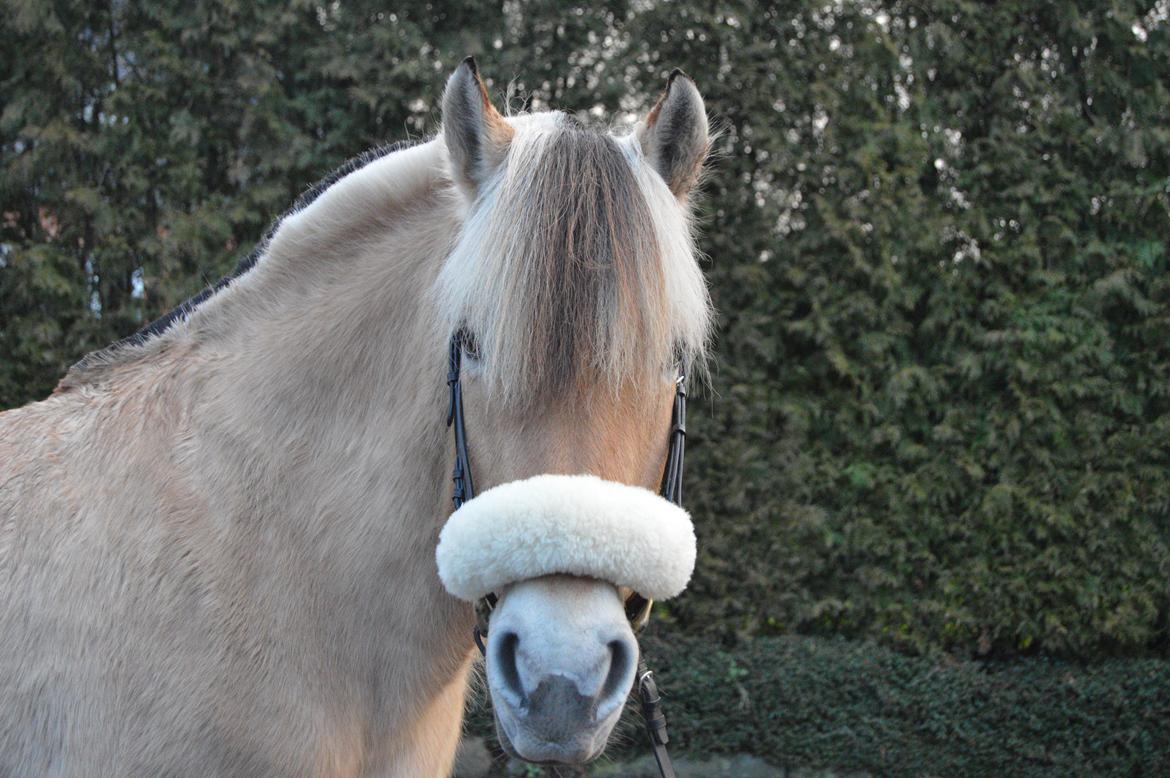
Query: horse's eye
point(675, 365)
point(638, 610)
point(470, 346)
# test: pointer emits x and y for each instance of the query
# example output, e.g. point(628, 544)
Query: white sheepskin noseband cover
point(573, 524)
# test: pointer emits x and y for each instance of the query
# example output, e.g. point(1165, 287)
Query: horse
point(218, 536)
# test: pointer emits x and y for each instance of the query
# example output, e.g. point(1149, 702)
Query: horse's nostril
point(622, 662)
point(504, 656)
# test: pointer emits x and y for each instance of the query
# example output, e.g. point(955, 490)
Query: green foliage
point(938, 246)
point(940, 400)
point(853, 706)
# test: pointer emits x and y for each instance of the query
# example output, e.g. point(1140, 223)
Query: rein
point(637, 607)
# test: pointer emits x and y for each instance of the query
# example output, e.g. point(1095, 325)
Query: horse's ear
point(477, 135)
point(674, 134)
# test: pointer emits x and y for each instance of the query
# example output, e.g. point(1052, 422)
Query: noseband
point(637, 607)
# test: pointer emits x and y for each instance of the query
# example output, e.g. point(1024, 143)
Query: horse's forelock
point(564, 269)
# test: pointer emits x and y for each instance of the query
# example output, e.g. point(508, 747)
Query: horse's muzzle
point(559, 677)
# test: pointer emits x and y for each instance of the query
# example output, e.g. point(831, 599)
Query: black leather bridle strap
point(648, 697)
point(672, 475)
point(461, 476)
point(651, 705)
point(671, 489)
point(463, 487)
point(637, 606)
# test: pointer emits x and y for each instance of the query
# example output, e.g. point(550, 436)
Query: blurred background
point(931, 474)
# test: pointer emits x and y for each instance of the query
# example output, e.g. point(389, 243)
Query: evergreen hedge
point(856, 706)
point(939, 413)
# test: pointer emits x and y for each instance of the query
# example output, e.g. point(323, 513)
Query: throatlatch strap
point(654, 719)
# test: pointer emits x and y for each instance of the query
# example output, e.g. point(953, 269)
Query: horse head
point(574, 303)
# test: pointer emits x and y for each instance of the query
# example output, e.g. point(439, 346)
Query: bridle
point(637, 607)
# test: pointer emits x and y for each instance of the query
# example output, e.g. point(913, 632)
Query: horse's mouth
point(537, 751)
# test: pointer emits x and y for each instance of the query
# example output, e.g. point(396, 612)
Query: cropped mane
point(576, 263)
point(130, 347)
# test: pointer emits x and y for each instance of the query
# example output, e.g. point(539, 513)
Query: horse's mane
point(113, 353)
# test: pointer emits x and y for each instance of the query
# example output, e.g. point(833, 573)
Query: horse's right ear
point(477, 135)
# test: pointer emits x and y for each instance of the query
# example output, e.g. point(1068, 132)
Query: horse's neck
point(318, 417)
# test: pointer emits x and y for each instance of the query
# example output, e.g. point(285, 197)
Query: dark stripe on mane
point(582, 272)
point(184, 309)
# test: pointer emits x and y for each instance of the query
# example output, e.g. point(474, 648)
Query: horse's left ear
point(674, 134)
point(477, 135)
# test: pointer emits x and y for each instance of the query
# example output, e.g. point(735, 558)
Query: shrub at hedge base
point(805, 702)
point(940, 414)
point(857, 707)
